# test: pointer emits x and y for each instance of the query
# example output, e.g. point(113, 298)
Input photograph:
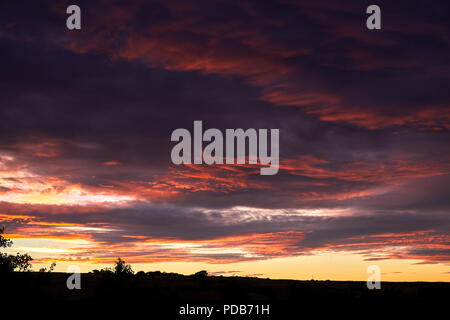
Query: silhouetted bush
point(200, 275)
point(50, 269)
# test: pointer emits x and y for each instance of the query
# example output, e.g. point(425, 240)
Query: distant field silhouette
point(165, 293)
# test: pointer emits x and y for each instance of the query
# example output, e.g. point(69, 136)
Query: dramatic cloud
point(85, 169)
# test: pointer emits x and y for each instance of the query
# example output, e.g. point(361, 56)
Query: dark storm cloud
point(354, 230)
point(428, 195)
point(262, 44)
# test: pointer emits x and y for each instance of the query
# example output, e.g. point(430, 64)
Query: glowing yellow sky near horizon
point(321, 265)
point(326, 266)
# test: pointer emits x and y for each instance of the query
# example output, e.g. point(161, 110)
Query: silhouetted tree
point(8, 262)
point(121, 268)
point(4, 243)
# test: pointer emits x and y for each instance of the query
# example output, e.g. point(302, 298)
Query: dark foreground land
point(167, 296)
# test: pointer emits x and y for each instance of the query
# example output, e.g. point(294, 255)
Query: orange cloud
point(382, 171)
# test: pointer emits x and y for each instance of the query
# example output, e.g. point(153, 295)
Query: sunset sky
point(364, 119)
